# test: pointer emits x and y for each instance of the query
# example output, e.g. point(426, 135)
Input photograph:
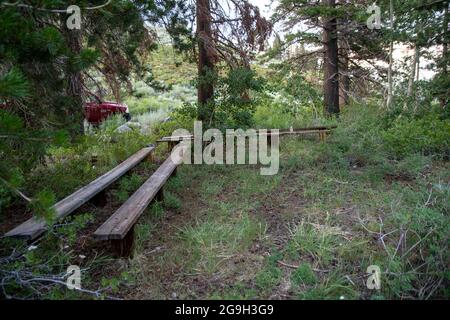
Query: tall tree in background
point(331, 61)
point(324, 26)
point(390, 94)
point(75, 84)
point(206, 59)
point(59, 64)
point(423, 27)
point(47, 70)
point(228, 31)
point(445, 56)
point(344, 77)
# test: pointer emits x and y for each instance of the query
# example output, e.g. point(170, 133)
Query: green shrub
point(427, 135)
point(75, 224)
point(6, 197)
point(127, 185)
point(411, 166)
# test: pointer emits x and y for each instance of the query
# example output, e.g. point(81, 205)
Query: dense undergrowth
point(375, 193)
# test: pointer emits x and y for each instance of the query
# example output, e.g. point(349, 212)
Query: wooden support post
point(99, 200)
point(124, 247)
point(160, 195)
point(171, 145)
point(94, 160)
point(321, 136)
point(150, 157)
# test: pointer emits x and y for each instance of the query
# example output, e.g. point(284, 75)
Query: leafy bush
point(411, 166)
point(127, 185)
point(147, 99)
point(427, 135)
point(150, 120)
point(69, 167)
point(181, 118)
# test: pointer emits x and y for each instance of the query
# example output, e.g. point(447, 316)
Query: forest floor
point(308, 232)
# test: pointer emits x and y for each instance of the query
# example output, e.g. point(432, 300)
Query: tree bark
point(205, 90)
point(331, 69)
point(444, 98)
point(344, 79)
point(412, 75)
point(74, 88)
point(391, 58)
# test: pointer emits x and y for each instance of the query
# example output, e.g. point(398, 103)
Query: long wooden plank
point(322, 128)
point(34, 227)
point(118, 225)
point(175, 138)
point(268, 132)
point(304, 132)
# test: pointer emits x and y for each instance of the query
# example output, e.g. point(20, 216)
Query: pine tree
point(357, 46)
point(44, 68)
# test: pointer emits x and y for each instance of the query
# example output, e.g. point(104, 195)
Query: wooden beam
point(268, 132)
point(124, 247)
point(34, 227)
point(118, 225)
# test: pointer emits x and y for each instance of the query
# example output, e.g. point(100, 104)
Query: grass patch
point(303, 275)
point(211, 243)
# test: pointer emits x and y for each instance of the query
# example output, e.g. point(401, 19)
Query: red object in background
point(96, 112)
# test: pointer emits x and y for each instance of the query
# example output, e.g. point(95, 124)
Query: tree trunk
point(444, 98)
point(418, 68)
point(205, 90)
point(115, 87)
point(344, 79)
point(74, 88)
point(412, 75)
point(391, 60)
point(331, 69)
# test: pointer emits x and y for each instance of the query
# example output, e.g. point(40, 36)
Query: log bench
point(173, 140)
point(323, 132)
point(34, 227)
point(119, 228)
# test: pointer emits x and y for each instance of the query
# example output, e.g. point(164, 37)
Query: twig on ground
point(293, 266)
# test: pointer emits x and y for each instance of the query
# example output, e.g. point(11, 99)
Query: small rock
point(174, 295)
point(82, 256)
point(123, 128)
point(134, 124)
point(30, 248)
